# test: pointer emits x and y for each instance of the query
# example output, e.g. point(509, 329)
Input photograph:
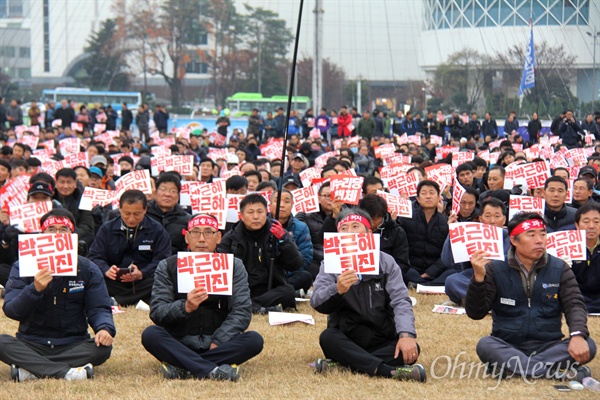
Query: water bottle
point(591, 384)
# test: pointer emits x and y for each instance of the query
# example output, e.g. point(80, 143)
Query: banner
point(348, 188)
point(306, 200)
point(397, 205)
point(525, 204)
point(528, 77)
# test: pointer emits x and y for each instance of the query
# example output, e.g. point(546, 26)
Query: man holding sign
point(200, 334)
point(587, 272)
point(527, 295)
point(53, 314)
point(361, 331)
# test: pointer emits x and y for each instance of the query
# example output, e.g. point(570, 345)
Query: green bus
point(241, 104)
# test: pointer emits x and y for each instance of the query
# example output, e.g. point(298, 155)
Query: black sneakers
point(225, 372)
point(414, 372)
point(265, 310)
point(322, 365)
point(172, 372)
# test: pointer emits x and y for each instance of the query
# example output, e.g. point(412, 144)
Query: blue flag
point(528, 78)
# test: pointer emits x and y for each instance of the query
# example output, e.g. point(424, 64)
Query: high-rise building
point(491, 27)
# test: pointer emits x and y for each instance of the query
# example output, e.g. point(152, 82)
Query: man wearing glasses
point(199, 335)
point(128, 249)
point(53, 314)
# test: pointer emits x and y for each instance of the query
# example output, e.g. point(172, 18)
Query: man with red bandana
point(196, 334)
point(527, 295)
point(53, 314)
point(371, 325)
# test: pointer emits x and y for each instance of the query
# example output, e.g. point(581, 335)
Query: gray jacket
point(167, 309)
point(347, 311)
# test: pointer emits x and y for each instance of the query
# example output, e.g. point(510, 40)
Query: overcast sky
point(372, 39)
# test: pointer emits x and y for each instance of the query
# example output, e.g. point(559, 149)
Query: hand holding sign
point(479, 260)
point(42, 279)
point(346, 280)
point(194, 298)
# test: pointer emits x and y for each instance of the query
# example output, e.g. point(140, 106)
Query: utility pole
point(317, 73)
point(595, 36)
point(258, 27)
point(359, 95)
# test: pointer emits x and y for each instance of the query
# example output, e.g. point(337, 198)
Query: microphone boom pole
point(285, 136)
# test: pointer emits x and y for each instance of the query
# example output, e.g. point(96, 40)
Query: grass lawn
point(282, 370)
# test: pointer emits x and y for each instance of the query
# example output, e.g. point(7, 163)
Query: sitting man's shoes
point(172, 372)
point(414, 372)
point(225, 372)
point(20, 375)
point(113, 302)
point(583, 371)
point(265, 310)
point(80, 373)
point(323, 365)
point(411, 285)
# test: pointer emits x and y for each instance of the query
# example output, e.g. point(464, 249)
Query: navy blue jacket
point(150, 245)
point(525, 309)
point(60, 314)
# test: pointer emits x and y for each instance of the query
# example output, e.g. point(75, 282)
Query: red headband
point(58, 221)
point(354, 218)
point(527, 225)
point(203, 220)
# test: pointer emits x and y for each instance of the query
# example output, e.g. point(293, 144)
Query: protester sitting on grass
point(528, 295)
point(371, 326)
point(196, 334)
point(54, 313)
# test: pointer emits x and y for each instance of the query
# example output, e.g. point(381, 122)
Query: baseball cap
point(291, 179)
point(99, 160)
point(300, 156)
point(588, 169)
point(233, 159)
point(96, 170)
point(40, 187)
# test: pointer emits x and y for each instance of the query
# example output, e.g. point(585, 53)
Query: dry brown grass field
point(282, 370)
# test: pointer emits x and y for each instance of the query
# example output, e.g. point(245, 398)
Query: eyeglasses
point(325, 196)
point(52, 229)
point(206, 234)
point(169, 191)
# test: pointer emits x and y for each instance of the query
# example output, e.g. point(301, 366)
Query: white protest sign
point(57, 252)
point(570, 244)
point(212, 271)
point(306, 200)
point(356, 251)
point(397, 205)
point(525, 204)
point(26, 217)
point(468, 237)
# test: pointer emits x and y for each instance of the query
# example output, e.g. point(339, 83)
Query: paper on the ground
point(431, 289)
point(442, 309)
point(282, 318)
point(301, 300)
point(594, 314)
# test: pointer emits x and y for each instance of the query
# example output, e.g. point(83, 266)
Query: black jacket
point(562, 220)
point(520, 314)
point(255, 248)
point(83, 218)
point(173, 221)
point(426, 241)
point(217, 320)
point(314, 221)
point(149, 245)
point(393, 241)
point(489, 128)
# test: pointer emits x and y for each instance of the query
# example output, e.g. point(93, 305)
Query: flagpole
point(285, 137)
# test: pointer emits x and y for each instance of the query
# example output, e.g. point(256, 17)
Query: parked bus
point(241, 104)
point(89, 97)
